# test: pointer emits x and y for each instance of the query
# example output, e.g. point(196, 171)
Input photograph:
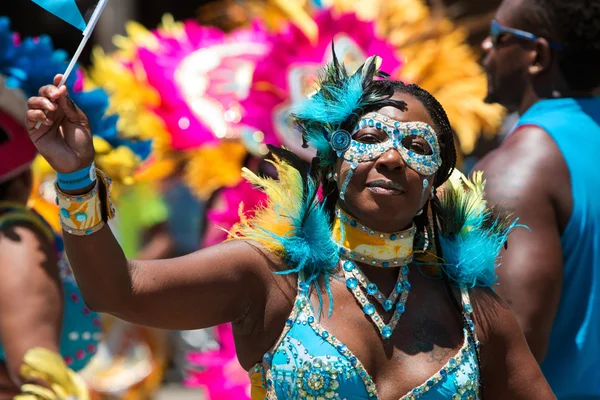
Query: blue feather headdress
point(32, 63)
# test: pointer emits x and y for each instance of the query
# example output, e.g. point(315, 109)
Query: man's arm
point(521, 177)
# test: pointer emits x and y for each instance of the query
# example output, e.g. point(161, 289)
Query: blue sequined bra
point(308, 362)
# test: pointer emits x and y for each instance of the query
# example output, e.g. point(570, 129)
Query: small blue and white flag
point(82, 14)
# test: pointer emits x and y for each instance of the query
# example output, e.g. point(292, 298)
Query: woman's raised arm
point(212, 286)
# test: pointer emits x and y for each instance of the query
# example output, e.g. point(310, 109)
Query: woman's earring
point(353, 166)
point(335, 177)
point(425, 186)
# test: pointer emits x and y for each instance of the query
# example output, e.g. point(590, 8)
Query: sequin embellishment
point(397, 132)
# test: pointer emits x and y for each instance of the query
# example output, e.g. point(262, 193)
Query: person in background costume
point(31, 300)
point(46, 330)
point(417, 264)
point(542, 58)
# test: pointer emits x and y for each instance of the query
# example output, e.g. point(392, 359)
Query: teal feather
point(294, 224)
point(470, 259)
point(471, 233)
point(340, 98)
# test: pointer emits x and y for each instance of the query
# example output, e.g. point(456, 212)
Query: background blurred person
point(542, 59)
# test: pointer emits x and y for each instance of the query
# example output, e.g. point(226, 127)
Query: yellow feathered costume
point(41, 364)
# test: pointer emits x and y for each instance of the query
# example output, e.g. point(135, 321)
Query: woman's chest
point(313, 362)
point(345, 354)
point(420, 350)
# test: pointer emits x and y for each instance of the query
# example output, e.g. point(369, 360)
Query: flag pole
point(86, 35)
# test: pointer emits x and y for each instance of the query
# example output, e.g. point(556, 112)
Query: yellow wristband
point(86, 214)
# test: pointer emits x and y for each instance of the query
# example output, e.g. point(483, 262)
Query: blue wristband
point(78, 179)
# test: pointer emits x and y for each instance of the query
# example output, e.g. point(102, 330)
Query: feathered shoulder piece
point(292, 223)
point(471, 233)
point(341, 100)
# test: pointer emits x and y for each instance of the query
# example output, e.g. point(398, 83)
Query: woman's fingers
point(67, 105)
point(39, 108)
point(41, 103)
point(63, 99)
point(50, 92)
point(37, 116)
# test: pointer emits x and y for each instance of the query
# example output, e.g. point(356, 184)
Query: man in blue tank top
point(543, 61)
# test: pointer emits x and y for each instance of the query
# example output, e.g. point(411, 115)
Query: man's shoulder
point(525, 167)
point(528, 148)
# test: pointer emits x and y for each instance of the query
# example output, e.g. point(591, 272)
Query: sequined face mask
point(416, 142)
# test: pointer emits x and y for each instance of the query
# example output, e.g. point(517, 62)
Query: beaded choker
point(365, 245)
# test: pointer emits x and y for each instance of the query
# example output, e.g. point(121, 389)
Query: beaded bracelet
point(85, 214)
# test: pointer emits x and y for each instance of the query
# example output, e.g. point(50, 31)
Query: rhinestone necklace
point(362, 290)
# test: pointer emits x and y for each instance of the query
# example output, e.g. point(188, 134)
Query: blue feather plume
point(471, 233)
point(33, 63)
point(293, 224)
point(471, 259)
point(341, 100)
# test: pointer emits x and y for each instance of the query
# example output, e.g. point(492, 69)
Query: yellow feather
point(284, 197)
point(470, 190)
point(40, 363)
point(36, 392)
point(202, 176)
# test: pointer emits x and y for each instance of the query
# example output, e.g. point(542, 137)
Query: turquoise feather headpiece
point(339, 102)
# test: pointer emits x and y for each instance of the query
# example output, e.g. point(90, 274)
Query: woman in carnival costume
point(198, 143)
point(418, 265)
point(42, 312)
point(283, 78)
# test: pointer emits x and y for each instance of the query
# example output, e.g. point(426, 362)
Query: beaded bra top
point(81, 327)
point(308, 362)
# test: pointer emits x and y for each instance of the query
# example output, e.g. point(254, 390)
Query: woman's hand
point(64, 138)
